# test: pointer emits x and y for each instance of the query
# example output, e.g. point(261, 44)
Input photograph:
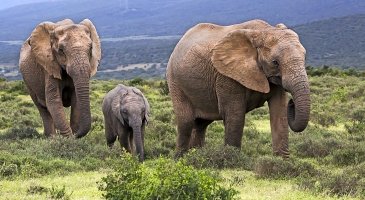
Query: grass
point(332, 146)
point(81, 185)
point(251, 187)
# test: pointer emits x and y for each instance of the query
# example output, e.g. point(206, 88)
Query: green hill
point(336, 41)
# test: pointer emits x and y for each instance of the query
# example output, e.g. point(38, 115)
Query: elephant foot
point(66, 133)
point(284, 154)
point(179, 154)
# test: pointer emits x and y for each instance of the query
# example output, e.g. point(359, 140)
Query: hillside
point(337, 41)
point(168, 17)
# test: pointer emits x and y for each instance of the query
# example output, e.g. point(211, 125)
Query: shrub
point(164, 88)
point(8, 170)
point(58, 193)
point(218, 156)
point(20, 132)
point(137, 81)
point(350, 181)
point(53, 193)
point(161, 179)
point(350, 154)
point(357, 124)
point(37, 189)
point(315, 148)
point(278, 168)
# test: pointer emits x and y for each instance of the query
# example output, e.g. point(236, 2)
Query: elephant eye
point(275, 63)
point(61, 51)
point(91, 51)
point(124, 111)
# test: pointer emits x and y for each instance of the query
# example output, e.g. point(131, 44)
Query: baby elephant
point(126, 112)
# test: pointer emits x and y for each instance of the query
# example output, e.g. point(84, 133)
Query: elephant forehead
point(132, 98)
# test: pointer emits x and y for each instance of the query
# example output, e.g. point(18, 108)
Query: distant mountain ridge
point(114, 18)
point(335, 42)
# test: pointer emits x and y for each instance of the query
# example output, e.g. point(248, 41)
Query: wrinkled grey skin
point(57, 62)
point(126, 112)
point(222, 72)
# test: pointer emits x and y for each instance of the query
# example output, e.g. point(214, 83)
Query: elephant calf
point(126, 112)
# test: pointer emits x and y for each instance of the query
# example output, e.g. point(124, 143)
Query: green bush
point(58, 193)
point(218, 156)
point(53, 193)
point(350, 181)
point(37, 189)
point(349, 154)
point(357, 123)
point(316, 148)
point(278, 168)
point(161, 179)
point(20, 132)
point(137, 81)
point(8, 170)
point(164, 88)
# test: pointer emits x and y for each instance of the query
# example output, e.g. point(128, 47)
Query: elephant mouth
point(275, 80)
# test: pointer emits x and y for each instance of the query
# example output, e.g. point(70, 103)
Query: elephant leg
point(233, 128)
point(49, 128)
point(131, 143)
point(110, 134)
point(198, 134)
point(279, 123)
point(55, 106)
point(123, 136)
point(75, 113)
point(232, 106)
point(185, 120)
point(48, 125)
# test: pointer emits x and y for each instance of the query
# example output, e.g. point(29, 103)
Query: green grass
point(81, 185)
point(327, 159)
point(251, 187)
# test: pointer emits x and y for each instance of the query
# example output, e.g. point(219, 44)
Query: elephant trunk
point(138, 141)
point(83, 100)
point(299, 106)
point(80, 74)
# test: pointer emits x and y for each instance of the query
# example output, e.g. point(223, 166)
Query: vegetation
point(162, 179)
point(327, 159)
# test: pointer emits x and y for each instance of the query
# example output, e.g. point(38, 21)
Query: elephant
point(57, 62)
point(222, 72)
point(126, 111)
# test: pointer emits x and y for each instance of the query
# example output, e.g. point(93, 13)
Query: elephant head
point(255, 58)
point(68, 49)
point(132, 109)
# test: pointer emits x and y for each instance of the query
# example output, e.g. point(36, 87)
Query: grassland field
point(327, 159)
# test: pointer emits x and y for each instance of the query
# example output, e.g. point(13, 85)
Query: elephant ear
point(64, 22)
point(116, 103)
point(146, 104)
point(281, 26)
point(96, 47)
point(235, 56)
point(40, 42)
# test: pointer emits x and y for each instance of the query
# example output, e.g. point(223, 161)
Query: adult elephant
point(222, 72)
point(56, 62)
